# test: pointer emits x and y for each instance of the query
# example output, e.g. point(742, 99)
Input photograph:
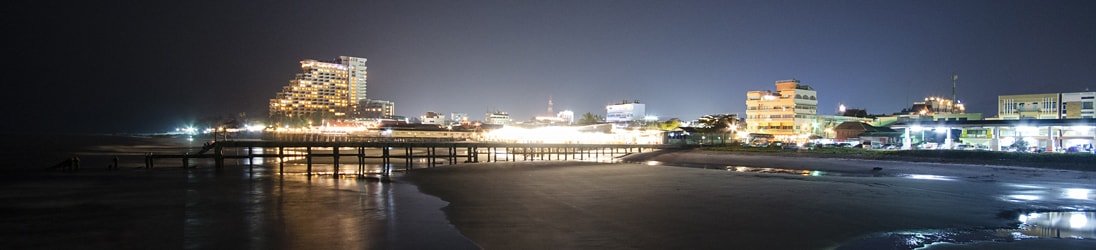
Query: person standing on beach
point(115, 165)
point(75, 162)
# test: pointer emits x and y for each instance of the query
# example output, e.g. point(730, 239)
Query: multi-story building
point(497, 118)
point(323, 89)
point(1078, 105)
point(1074, 105)
point(459, 118)
point(789, 113)
point(369, 108)
point(626, 111)
point(432, 118)
point(357, 76)
point(1030, 106)
point(566, 116)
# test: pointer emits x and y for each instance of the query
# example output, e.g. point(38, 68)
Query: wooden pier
point(388, 152)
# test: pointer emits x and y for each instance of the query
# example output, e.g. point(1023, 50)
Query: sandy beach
point(570, 205)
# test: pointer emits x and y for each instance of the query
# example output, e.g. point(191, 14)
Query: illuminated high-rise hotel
point(323, 89)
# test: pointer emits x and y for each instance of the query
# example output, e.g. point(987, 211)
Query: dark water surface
point(201, 208)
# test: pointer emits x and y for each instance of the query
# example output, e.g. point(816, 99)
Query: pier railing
point(389, 152)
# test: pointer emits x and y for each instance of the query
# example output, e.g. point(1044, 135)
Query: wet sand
point(594, 206)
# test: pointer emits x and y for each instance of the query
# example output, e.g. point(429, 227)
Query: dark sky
point(139, 66)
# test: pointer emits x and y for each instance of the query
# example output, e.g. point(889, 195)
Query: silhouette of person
point(75, 162)
point(115, 163)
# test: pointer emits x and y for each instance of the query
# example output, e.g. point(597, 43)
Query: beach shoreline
point(652, 204)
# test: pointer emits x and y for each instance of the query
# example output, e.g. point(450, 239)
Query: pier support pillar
point(407, 152)
point(386, 161)
point(218, 156)
point(335, 155)
point(250, 160)
point(308, 160)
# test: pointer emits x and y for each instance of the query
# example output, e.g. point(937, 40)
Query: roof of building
point(998, 123)
point(860, 126)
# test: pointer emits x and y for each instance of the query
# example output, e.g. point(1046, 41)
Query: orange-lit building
point(330, 89)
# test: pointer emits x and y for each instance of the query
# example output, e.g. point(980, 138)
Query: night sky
point(137, 66)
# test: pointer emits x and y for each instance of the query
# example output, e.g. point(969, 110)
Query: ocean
point(170, 207)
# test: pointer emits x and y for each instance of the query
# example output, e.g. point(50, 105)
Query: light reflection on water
point(1041, 225)
point(1032, 192)
point(234, 208)
point(1080, 225)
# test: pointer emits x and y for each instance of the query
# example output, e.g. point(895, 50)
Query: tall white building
point(330, 89)
point(357, 74)
point(625, 111)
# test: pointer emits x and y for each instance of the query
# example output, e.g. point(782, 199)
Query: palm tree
point(589, 119)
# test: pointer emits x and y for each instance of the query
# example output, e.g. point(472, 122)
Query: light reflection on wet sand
point(238, 208)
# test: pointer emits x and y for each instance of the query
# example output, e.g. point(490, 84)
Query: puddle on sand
point(804, 172)
point(1041, 225)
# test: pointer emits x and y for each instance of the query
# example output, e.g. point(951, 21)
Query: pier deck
point(448, 152)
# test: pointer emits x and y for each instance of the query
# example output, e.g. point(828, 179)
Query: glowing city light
point(1077, 193)
point(929, 177)
point(1078, 220)
point(573, 135)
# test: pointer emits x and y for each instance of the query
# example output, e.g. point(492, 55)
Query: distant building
point(459, 118)
point(563, 117)
point(1074, 105)
point(866, 134)
point(1078, 105)
point(626, 111)
point(566, 116)
point(788, 114)
point(1029, 106)
point(497, 118)
point(330, 89)
point(931, 109)
point(936, 105)
point(369, 108)
point(432, 118)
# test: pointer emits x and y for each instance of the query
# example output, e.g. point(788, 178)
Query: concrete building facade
point(497, 118)
point(1078, 105)
point(1029, 106)
point(626, 111)
point(432, 118)
point(1075, 105)
point(369, 108)
point(789, 113)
